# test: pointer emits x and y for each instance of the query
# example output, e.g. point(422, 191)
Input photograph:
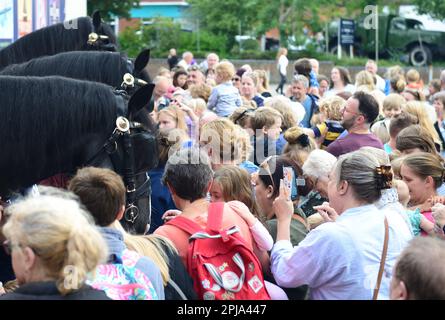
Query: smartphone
point(290, 182)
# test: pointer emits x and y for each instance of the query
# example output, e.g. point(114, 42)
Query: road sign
point(347, 30)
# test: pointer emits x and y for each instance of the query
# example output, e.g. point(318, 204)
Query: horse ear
point(97, 20)
point(140, 99)
point(142, 60)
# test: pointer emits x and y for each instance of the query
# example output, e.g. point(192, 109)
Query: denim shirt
point(224, 99)
point(115, 242)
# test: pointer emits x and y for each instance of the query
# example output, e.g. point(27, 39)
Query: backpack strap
point(382, 261)
point(177, 289)
point(214, 220)
point(215, 215)
point(185, 224)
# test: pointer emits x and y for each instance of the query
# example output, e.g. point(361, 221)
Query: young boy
point(225, 98)
point(266, 125)
point(102, 192)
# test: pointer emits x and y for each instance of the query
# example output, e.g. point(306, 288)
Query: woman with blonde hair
point(299, 145)
point(249, 92)
point(282, 63)
point(225, 143)
point(263, 83)
point(54, 247)
point(426, 120)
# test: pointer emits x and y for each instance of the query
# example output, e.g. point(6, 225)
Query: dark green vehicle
point(399, 37)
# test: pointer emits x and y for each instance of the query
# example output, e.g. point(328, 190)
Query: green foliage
point(109, 8)
point(436, 8)
point(164, 34)
point(224, 18)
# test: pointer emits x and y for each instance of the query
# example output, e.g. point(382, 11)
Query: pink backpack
point(121, 280)
point(219, 260)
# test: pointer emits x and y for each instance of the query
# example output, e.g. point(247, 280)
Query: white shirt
point(332, 92)
point(381, 83)
point(282, 64)
point(340, 260)
point(183, 64)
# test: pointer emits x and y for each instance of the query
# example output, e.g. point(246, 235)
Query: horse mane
point(46, 121)
point(98, 66)
point(52, 40)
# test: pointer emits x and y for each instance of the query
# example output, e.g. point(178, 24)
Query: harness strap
point(110, 147)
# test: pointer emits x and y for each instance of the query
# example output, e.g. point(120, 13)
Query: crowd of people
point(335, 187)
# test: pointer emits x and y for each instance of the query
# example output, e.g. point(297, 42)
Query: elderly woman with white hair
point(317, 167)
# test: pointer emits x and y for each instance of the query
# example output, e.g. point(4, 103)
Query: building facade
point(150, 9)
point(20, 17)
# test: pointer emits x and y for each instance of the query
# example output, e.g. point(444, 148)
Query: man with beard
point(358, 114)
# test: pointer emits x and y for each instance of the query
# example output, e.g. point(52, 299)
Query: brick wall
point(270, 66)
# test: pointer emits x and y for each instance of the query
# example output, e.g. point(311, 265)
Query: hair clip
point(303, 139)
point(384, 177)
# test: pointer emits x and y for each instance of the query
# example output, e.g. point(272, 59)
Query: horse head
point(102, 38)
point(133, 154)
point(138, 75)
point(78, 124)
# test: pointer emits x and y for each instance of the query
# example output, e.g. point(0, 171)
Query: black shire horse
point(81, 34)
point(53, 125)
point(112, 68)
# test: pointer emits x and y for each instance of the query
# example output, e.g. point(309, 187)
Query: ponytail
point(84, 251)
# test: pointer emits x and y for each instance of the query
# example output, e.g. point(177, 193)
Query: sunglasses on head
point(193, 68)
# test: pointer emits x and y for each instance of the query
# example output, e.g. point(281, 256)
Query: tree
point(291, 16)
point(224, 18)
point(109, 8)
point(435, 8)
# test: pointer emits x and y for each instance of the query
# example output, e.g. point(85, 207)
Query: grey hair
point(379, 154)
point(301, 79)
point(188, 172)
point(319, 164)
point(359, 170)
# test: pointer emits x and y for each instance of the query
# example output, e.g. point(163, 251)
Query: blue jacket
point(161, 199)
point(116, 245)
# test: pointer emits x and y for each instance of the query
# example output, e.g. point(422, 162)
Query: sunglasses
point(244, 113)
point(236, 79)
point(265, 165)
point(193, 68)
